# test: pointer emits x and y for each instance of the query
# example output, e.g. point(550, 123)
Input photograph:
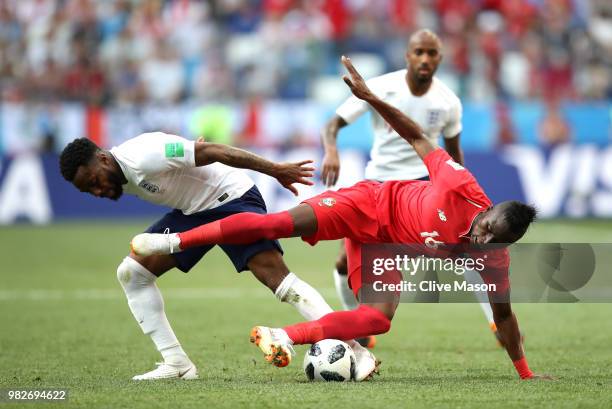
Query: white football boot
point(366, 364)
point(167, 370)
point(148, 244)
point(275, 344)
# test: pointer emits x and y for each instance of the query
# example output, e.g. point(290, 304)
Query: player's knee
point(382, 324)
point(124, 273)
point(267, 260)
point(269, 268)
point(501, 311)
point(131, 274)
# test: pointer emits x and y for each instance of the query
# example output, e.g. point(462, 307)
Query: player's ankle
point(282, 335)
point(174, 355)
point(175, 241)
point(355, 346)
point(177, 359)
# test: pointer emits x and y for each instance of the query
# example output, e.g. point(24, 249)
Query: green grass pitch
point(64, 323)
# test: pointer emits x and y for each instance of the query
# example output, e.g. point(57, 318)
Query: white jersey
point(437, 112)
point(160, 168)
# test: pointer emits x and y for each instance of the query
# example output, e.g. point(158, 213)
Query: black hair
point(519, 216)
point(77, 153)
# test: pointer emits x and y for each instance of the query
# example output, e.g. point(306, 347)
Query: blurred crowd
point(133, 51)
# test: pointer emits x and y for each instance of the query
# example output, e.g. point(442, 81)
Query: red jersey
point(441, 210)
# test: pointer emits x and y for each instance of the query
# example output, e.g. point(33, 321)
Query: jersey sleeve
point(351, 109)
point(447, 175)
point(444, 171)
point(453, 126)
point(161, 152)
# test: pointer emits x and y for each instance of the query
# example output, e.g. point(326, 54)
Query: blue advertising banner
point(573, 181)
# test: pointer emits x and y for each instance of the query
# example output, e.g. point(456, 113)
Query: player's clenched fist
point(355, 81)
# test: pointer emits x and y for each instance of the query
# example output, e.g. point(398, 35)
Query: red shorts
point(347, 213)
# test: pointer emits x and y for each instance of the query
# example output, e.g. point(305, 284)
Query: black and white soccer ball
point(330, 360)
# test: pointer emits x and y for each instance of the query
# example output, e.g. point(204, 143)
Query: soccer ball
point(330, 360)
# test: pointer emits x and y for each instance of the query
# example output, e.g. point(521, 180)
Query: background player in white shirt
point(425, 99)
point(196, 180)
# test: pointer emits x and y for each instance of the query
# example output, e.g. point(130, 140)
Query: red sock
point(342, 325)
point(239, 228)
point(522, 368)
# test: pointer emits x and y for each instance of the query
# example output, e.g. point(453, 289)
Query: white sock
point(473, 277)
point(147, 306)
point(307, 300)
point(303, 297)
point(349, 302)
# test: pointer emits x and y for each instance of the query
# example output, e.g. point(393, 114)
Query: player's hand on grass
point(355, 81)
point(289, 173)
point(331, 168)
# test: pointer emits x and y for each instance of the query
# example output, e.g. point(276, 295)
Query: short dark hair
point(77, 153)
point(519, 216)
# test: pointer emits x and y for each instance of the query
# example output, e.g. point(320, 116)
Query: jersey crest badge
point(433, 116)
point(327, 201)
point(441, 215)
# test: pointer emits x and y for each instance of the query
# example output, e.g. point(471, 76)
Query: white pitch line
point(171, 293)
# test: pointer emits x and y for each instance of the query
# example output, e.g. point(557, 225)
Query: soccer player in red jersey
point(450, 209)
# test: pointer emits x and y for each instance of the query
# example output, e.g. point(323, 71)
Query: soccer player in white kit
point(425, 99)
point(198, 180)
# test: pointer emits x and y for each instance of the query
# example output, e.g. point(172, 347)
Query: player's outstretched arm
point(508, 328)
point(286, 173)
point(404, 126)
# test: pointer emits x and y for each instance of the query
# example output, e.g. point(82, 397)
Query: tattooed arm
point(286, 173)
